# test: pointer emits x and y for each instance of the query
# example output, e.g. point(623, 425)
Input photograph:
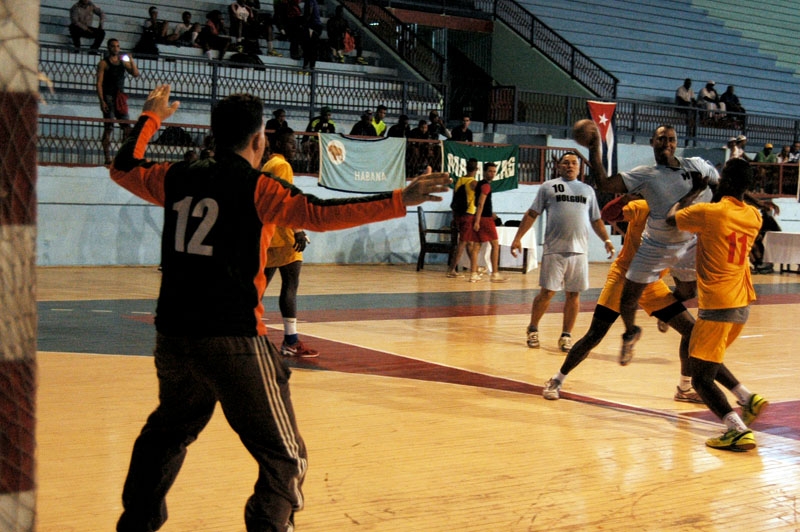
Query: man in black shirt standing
point(110, 89)
point(211, 344)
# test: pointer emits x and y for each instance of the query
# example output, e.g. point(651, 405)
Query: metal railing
point(635, 121)
point(539, 35)
point(200, 80)
point(73, 141)
point(399, 37)
point(76, 141)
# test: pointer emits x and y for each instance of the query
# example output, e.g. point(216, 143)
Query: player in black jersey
point(211, 344)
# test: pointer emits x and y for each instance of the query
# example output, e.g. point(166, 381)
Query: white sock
point(560, 377)
point(733, 421)
point(685, 383)
point(289, 326)
point(742, 394)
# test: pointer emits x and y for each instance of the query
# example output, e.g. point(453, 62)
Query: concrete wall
point(86, 219)
point(515, 62)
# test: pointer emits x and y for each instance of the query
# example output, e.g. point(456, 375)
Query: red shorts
point(487, 231)
point(464, 226)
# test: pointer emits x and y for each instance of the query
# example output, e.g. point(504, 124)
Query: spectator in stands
point(462, 133)
point(686, 102)
point(278, 120)
point(784, 155)
point(263, 27)
point(313, 24)
point(342, 38)
point(710, 100)
point(190, 156)
point(684, 95)
point(738, 150)
point(766, 155)
point(337, 26)
point(364, 126)
point(81, 15)
point(731, 101)
point(310, 143)
point(401, 129)
point(214, 35)
point(794, 153)
point(419, 132)
point(154, 31)
point(766, 175)
point(295, 28)
point(279, 9)
point(244, 34)
point(185, 32)
point(110, 90)
point(419, 152)
point(377, 120)
point(322, 123)
point(437, 127)
point(731, 147)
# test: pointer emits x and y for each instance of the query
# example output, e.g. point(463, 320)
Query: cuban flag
point(602, 114)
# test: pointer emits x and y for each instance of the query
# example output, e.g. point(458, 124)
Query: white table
point(782, 248)
point(524, 262)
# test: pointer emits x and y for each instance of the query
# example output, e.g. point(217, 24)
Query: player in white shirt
point(662, 246)
point(571, 208)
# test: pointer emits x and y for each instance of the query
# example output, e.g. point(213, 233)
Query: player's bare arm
point(423, 188)
point(587, 135)
point(699, 184)
point(158, 103)
point(524, 226)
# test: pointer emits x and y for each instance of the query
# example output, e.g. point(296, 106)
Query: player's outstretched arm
point(423, 188)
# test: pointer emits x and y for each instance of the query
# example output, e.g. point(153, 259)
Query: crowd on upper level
point(240, 29)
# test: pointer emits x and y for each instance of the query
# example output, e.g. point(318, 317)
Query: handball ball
point(584, 132)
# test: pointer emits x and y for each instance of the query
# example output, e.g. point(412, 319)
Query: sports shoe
point(298, 350)
point(663, 326)
point(453, 274)
point(274, 53)
point(361, 61)
point(565, 343)
point(533, 339)
point(628, 342)
point(550, 390)
point(688, 396)
point(474, 277)
point(497, 278)
point(753, 408)
point(733, 440)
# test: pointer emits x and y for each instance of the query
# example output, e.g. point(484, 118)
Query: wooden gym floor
point(424, 412)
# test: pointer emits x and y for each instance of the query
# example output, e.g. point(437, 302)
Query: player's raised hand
point(158, 103)
point(423, 188)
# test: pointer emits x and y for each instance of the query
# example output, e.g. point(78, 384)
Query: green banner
point(456, 156)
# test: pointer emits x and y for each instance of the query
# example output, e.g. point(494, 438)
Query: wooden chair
point(445, 247)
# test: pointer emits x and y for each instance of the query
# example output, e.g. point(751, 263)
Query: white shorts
point(653, 257)
point(564, 271)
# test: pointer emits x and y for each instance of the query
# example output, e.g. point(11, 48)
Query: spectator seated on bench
point(185, 32)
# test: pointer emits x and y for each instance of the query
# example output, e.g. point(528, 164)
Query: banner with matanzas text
point(362, 165)
point(456, 156)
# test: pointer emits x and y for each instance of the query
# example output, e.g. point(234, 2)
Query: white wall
point(86, 219)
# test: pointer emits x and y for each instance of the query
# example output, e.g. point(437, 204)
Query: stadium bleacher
point(123, 21)
point(652, 45)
